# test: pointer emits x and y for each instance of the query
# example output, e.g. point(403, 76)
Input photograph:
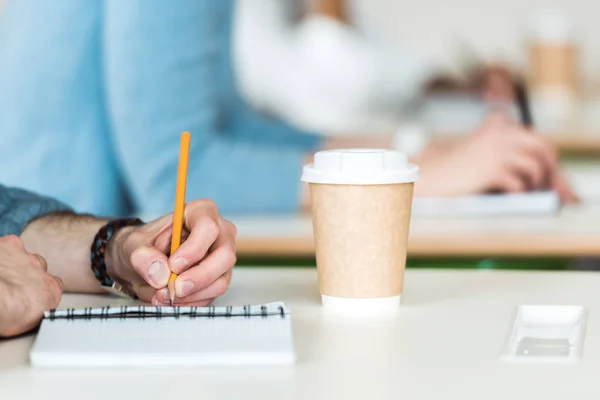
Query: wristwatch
point(101, 239)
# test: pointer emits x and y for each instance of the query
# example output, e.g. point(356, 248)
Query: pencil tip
point(171, 289)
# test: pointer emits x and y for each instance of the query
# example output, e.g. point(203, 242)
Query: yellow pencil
point(184, 155)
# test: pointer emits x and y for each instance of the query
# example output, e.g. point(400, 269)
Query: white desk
point(444, 345)
point(574, 232)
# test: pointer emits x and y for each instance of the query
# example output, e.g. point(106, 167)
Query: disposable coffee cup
point(554, 72)
point(553, 57)
point(361, 205)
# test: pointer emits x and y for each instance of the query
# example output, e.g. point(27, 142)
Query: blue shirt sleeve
point(19, 207)
point(166, 70)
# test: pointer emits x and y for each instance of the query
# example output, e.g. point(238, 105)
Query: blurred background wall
point(496, 29)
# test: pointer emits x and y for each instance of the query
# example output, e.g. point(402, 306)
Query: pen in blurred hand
point(523, 103)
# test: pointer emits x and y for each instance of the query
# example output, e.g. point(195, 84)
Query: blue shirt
point(95, 94)
point(19, 207)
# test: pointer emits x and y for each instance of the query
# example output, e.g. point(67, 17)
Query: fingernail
point(179, 263)
point(165, 295)
point(159, 273)
point(184, 288)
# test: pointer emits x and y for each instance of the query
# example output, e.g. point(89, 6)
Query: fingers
point(202, 296)
point(151, 265)
point(205, 232)
point(198, 303)
point(522, 155)
point(12, 241)
point(510, 183)
point(529, 170)
point(537, 147)
point(565, 192)
point(201, 276)
point(38, 299)
point(163, 240)
point(202, 221)
point(39, 262)
point(535, 162)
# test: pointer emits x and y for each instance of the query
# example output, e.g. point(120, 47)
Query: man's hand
point(26, 289)
point(502, 156)
point(204, 261)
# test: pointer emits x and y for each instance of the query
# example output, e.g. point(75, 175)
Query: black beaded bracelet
point(99, 246)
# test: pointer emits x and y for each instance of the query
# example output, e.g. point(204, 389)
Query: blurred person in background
point(312, 68)
point(93, 100)
point(317, 71)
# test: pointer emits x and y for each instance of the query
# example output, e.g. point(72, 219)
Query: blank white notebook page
point(257, 335)
point(532, 203)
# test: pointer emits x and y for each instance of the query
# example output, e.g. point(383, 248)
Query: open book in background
point(532, 203)
point(145, 336)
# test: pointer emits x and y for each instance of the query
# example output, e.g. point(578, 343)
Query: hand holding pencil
point(185, 257)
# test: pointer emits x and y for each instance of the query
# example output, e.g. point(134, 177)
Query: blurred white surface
point(495, 29)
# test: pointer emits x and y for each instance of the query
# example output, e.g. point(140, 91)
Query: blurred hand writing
point(501, 156)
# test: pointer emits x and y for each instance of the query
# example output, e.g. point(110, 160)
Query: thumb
point(150, 264)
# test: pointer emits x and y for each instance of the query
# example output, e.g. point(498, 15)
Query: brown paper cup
point(361, 204)
point(552, 53)
point(553, 66)
point(361, 233)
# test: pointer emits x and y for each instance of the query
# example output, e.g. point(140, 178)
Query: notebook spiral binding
point(142, 312)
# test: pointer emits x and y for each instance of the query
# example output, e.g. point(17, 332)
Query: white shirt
point(318, 73)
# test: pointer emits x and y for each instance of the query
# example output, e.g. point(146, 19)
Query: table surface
point(574, 232)
point(444, 344)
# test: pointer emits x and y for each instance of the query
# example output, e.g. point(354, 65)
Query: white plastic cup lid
point(360, 167)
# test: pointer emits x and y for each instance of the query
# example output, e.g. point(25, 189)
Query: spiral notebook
point(144, 336)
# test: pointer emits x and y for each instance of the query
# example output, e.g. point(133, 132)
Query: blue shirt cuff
point(19, 207)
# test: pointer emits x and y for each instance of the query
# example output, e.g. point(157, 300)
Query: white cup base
point(356, 307)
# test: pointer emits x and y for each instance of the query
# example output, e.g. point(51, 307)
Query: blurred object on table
point(553, 54)
point(553, 70)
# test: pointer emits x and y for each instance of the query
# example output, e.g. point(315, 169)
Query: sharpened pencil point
point(171, 288)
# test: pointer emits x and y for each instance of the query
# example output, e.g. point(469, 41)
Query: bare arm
point(65, 240)
point(138, 255)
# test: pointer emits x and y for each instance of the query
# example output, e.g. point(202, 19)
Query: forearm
point(65, 240)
